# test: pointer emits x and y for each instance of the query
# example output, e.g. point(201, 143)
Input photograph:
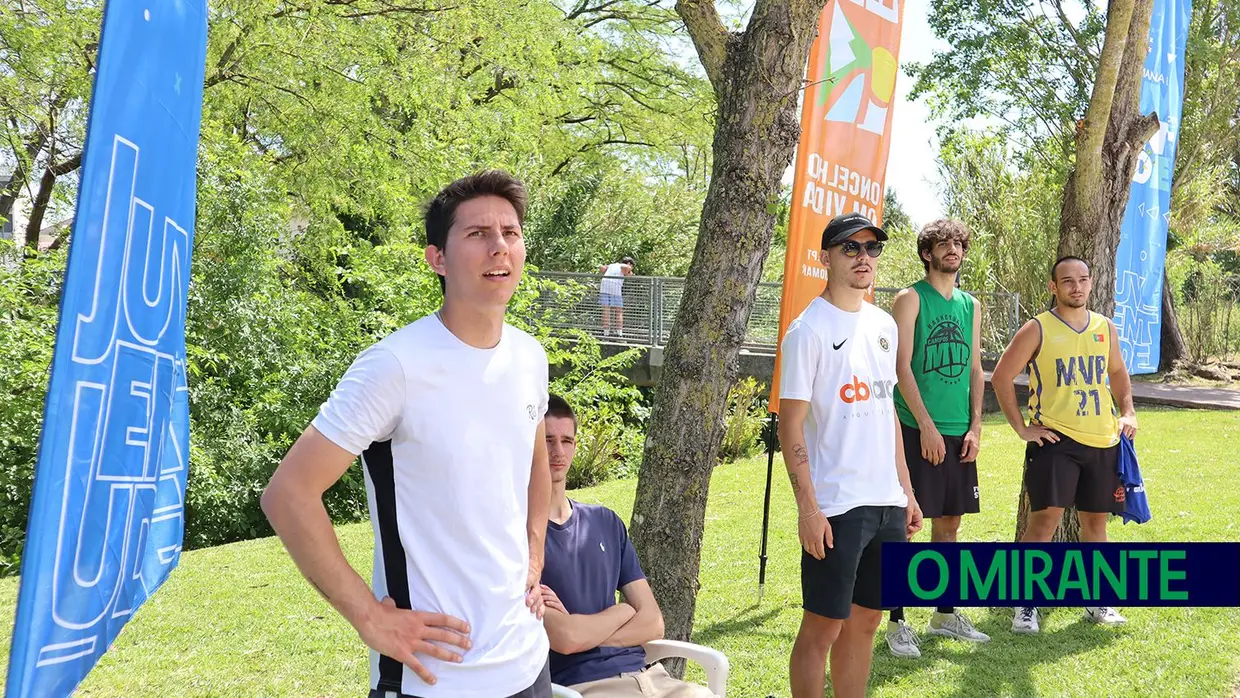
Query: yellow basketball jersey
point(1069, 390)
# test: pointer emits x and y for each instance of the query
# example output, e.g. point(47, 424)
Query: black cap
point(847, 225)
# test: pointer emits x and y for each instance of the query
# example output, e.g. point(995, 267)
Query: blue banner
point(1143, 235)
point(107, 515)
point(1061, 574)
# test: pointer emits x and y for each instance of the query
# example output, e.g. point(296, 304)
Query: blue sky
point(911, 166)
point(912, 169)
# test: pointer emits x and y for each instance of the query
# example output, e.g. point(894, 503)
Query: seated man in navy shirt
point(596, 642)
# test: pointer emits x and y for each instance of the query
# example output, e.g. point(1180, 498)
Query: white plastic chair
point(712, 661)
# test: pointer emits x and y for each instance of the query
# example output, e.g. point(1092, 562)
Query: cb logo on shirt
point(859, 391)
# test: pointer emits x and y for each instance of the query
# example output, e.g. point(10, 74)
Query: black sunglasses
point(852, 248)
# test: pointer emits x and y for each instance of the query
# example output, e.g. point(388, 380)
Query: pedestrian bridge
point(570, 304)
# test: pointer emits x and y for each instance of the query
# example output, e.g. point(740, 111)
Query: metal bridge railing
point(651, 303)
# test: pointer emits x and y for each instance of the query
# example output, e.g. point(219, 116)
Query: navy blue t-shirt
point(588, 559)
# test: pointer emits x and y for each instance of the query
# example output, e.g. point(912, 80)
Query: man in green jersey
point(939, 403)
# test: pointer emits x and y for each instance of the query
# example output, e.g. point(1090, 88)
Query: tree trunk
point(1171, 343)
point(1069, 530)
point(757, 76)
point(8, 194)
point(37, 209)
point(38, 141)
point(1097, 191)
point(1096, 195)
point(41, 200)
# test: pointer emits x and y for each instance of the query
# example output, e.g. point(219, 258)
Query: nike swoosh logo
point(837, 346)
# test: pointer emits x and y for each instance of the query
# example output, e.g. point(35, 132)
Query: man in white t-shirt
point(611, 295)
point(447, 414)
point(841, 445)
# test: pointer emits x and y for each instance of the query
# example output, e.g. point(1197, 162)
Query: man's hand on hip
point(1037, 434)
point(533, 591)
point(402, 634)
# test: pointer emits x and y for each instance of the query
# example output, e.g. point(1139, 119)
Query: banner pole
point(772, 421)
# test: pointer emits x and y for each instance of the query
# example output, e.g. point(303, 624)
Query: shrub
point(742, 427)
point(611, 414)
point(1207, 308)
point(27, 324)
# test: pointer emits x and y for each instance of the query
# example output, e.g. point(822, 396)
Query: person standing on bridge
point(939, 402)
point(1080, 401)
point(611, 295)
point(841, 443)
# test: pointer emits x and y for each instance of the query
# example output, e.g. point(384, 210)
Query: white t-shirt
point(448, 433)
point(613, 279)
point(844, 365)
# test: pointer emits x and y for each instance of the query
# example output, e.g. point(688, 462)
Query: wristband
point(809, 515)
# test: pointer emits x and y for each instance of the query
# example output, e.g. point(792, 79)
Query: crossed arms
point(635, 621)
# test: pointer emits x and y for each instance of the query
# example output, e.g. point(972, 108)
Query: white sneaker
point(902, 640)
point(955, 625)
point(1026, 620)
point(1104, 615)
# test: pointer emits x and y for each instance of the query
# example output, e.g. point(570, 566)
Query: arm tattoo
point(801, 458)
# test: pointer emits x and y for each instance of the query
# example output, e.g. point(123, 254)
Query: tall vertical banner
point(1139, 262)
point(841, 162)
point(106, 520)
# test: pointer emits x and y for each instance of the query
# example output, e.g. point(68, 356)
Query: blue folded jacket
point(1136, 506)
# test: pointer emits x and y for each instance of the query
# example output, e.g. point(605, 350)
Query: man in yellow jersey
point(1080, 399)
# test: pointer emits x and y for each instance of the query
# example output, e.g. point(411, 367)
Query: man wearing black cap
point(842, 447)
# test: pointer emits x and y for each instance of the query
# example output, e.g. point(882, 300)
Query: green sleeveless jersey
point(942, 352)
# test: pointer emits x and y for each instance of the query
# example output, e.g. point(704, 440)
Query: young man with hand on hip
point(1080, 400)
point(447, 415)
point(839, 434)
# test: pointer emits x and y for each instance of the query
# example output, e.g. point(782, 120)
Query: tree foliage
point(1027, 67)
point(47, 54)
point(1012, 211)
point(1024, 64)
point(325, 126)
point(1206, 188)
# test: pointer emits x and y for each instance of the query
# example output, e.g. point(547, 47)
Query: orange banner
point(841, 161)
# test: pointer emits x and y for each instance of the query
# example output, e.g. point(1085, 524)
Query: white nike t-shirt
point(844, 365)
point(446, 432)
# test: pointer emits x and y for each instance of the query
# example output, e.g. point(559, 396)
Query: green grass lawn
point(238, 620)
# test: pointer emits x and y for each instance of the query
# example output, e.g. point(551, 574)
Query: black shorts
point(947, 489)
point(1067, 473)
point(851, 572)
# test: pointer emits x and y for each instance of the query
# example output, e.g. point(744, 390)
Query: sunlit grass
point(238, 620)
